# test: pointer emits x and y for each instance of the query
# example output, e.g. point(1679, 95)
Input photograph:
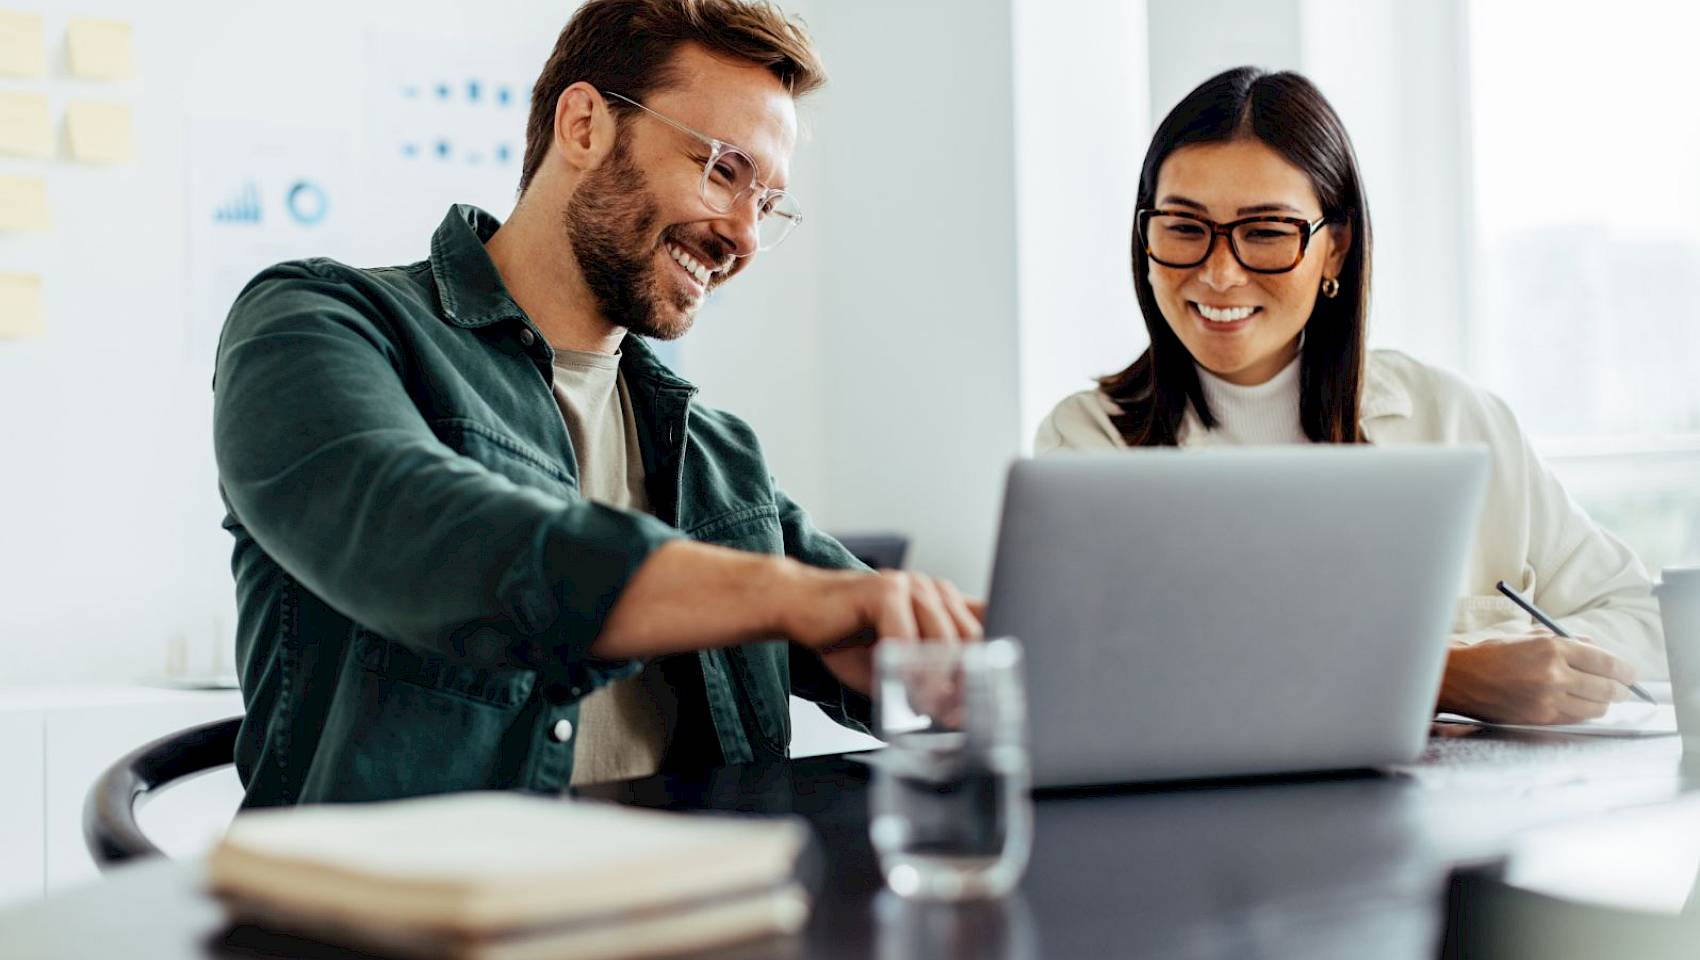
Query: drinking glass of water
point(951, 816)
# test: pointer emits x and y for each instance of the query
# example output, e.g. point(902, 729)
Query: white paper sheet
point(1632, 718)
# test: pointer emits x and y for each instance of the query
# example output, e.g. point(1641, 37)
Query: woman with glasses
point(1251, 261)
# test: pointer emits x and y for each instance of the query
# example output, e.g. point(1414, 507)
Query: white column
point(917, 272)
point(1082, 124)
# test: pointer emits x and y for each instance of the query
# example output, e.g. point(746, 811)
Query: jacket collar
point(1383, 394)
point(640, 365)
point(471, 293)
point(469, 288)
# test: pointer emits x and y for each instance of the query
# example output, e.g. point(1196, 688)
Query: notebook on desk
point(501, 876)
point(1628, 718)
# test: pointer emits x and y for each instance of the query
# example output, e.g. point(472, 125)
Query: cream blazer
point(1532, 535)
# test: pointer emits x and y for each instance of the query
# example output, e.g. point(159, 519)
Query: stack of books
point(502, 876)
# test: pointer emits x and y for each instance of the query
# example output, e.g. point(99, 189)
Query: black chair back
point(109, 811)
point(882, 551)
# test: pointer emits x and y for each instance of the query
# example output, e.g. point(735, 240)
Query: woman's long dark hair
point(1288, 114)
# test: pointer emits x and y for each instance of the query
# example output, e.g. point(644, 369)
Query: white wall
point(112, 563)
point(915, 272)
point(1193, 40)
point(1082, 107)
point(100, 424)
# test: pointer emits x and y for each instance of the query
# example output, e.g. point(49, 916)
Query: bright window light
point(1587, 215)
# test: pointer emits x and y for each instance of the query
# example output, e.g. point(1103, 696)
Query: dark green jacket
point(418, 580)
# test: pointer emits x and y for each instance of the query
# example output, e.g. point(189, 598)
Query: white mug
point(1679, 609)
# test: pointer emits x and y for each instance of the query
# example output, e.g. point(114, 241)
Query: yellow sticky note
point(20, 305)
point(100, 49)
point(23, 45)
point(23, 204)
point(26, 128)
point(100, 132)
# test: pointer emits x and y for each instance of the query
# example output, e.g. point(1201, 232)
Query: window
point(1587, 194)
point(1586, 274)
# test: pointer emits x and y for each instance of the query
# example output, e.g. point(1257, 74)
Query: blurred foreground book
point(504, 876)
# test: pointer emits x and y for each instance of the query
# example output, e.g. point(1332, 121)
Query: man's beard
point(607, 220)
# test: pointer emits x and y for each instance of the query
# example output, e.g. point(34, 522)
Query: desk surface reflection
point(1319, 866)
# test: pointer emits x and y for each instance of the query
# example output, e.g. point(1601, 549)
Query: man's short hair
point(627, 47)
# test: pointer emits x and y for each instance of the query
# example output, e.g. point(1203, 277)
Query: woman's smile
point(1218, 319)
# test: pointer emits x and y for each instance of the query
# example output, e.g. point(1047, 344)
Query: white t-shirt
point(624, 728)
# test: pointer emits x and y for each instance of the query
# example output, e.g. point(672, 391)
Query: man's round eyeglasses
point(1175, 238)
point(729, 179)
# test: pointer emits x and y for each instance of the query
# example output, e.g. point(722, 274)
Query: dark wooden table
point(1348, 865)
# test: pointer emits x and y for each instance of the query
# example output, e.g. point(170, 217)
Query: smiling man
point(484, 538)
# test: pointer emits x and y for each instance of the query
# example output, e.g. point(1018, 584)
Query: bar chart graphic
point(242, 206)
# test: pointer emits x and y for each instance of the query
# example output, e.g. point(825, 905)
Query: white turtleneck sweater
point(1265, 414)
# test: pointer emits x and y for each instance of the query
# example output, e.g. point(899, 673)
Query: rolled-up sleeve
point(326, 461)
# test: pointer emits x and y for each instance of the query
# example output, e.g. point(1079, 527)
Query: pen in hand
point(1552, 625)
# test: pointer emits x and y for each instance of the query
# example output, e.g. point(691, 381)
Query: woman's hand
point(1538, 678)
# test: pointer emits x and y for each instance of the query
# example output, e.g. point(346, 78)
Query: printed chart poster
point(445, 124)
point(259, 195)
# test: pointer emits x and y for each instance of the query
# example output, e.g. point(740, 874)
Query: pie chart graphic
point(306, 203)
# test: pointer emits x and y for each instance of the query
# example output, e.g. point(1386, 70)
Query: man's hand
point(1539, 678)
point(695, 596)
point(841, 616)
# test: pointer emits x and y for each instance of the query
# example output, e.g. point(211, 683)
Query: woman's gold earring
point(1330, 287)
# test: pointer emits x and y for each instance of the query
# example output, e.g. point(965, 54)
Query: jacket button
point(563, 731)
point(526, 337)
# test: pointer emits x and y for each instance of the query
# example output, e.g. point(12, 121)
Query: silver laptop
point(1229, 612)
